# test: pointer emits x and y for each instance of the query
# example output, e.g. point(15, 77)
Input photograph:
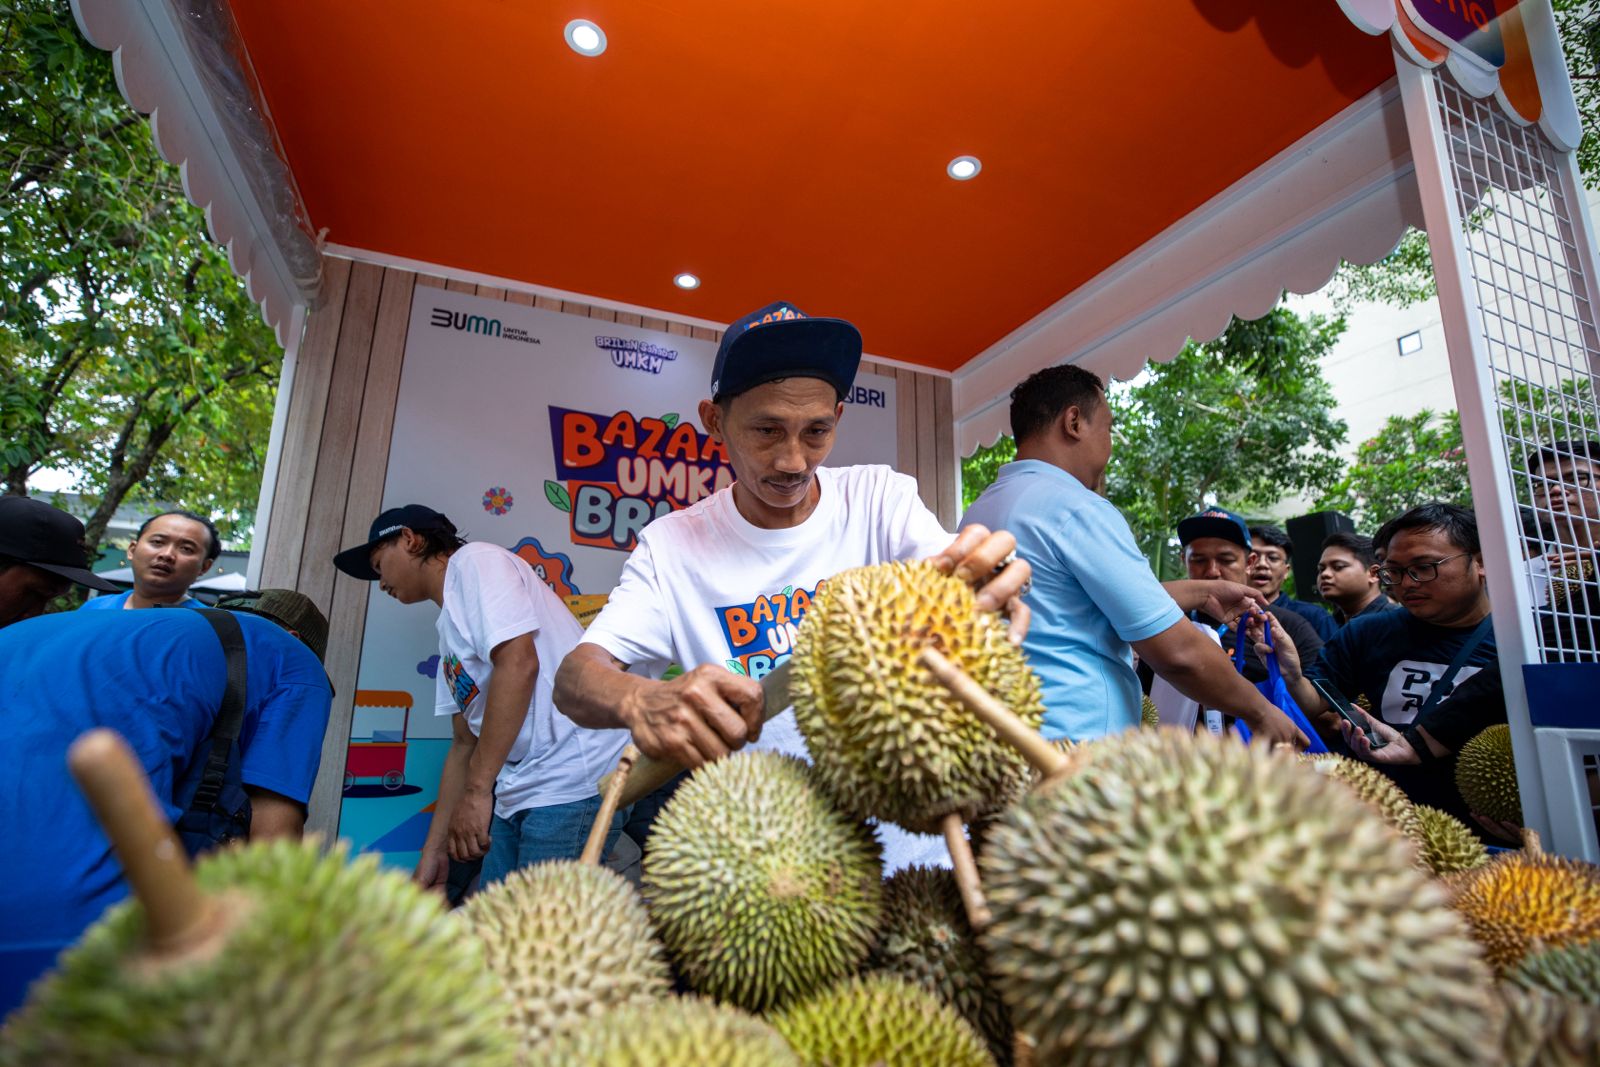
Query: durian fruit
point(889, 741)
point(760, 889)
point(927, 940)
point(571, 942)
point(677, 1032)
point(1568, 582)
point(1149, 714)
point(1184, 899)
point(320, 960)
point(1571, 972)
point(1487, 776)
point(1543, 1030)
point(1521, 901)
point(879, 1021)
point(1446, 844)
point(1371, 785)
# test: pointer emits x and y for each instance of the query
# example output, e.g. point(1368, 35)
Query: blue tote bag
point(1275, 691)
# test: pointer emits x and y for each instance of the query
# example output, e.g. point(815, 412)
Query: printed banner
point(560, 438)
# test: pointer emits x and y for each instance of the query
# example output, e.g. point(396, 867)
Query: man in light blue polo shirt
point(1093, 593)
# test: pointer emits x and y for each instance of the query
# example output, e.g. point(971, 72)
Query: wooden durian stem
point(177, 913)
point(1022, 1051)
point(966, 870)
point(1530, 842)
point(608, 806)
point(1045, 758)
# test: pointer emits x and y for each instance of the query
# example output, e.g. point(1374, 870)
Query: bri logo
point(460, 320)
point(869, 398)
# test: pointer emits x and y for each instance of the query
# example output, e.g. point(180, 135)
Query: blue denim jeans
point(533, 835)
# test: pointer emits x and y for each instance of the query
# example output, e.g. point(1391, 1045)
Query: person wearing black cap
point(1216, 544)
point(41, 555)
point(517, 786)
point(720, 587)
point(160, 679)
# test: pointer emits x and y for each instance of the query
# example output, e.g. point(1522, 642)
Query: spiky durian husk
point(1372, 786)
point(570, 941)
point(1486, 775)
point(878, 1019)
point(760, 889)
point(677, 1032)
point(1183, 899)
point(1543, 1030)
point(888, 740)
point(1445, 842)
point(1149, 714)
point(1571, 972)
point(927, 940)
point(1520, 901)
point(326, 961)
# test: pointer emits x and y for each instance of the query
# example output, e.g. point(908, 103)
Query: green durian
point(1149, 714)
point(1569, 971)
point(321, 960)
point(1185, 900)
point(1446, 843)
point(1486, 775)
point(927, 940)
point(889, 741)
point(1371, 785)
point(761, 890)
point(1543, 1030)
point(677, 1032)
point(879, 1021)
point(570, 942)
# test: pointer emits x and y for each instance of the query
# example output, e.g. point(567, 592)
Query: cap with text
point(781, 341)
point(1215, 522)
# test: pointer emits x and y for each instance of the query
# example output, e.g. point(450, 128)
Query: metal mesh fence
point(1540, 328)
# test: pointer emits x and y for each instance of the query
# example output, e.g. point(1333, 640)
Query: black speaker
point(1308, 532)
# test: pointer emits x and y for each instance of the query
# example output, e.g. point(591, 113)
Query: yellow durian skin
point(880, 1020)
point(1185, 900)
point(1371, 785)
point(1520, 902)
point(570, 941)
point(889, 741)
point(1486, 775)
point(678, 1032)
point(760, 889)
point(330, 961)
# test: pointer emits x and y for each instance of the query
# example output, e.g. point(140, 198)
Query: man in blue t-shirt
point(157, 678)
point(171, 552)
point(1401, 660)
point(1093, 594)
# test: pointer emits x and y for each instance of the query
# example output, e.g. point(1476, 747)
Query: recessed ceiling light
point(962, 168)
point(585, 38)
point(686, 281)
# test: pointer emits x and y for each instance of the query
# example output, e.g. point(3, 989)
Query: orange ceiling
point(794, 149)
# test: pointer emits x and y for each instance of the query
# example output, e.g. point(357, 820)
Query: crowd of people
point(227, 709)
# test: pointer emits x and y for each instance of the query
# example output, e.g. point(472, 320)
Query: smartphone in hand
point(1339, 704)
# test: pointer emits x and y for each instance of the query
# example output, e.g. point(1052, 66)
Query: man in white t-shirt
point(518, 783)
point(720, 587)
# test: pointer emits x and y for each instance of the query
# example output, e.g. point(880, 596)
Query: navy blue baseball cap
point(781, 341)
point(357, 560)
point(1215, 522)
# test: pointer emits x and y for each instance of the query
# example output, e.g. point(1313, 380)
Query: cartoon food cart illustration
point(378, 738)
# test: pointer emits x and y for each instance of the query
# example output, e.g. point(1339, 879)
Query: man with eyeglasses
point(1408, 662)
point(1565, 480)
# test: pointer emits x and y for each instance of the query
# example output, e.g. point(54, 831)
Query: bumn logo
point(460, 320)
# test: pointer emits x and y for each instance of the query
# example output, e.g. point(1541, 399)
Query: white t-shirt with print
point(704, 585)
point(491, 596)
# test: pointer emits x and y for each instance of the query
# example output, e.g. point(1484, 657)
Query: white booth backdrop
point(558, 437)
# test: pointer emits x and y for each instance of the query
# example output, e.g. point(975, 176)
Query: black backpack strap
point(1445, 684)
point(230, 717)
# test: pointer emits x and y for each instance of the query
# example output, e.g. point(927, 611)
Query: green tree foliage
point(129, 353)
point(1245, 420)
point(1414, 459)
point(1405, 277)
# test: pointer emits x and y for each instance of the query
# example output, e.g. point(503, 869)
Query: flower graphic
point(497, 500)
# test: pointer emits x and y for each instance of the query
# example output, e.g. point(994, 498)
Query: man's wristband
point(1419, 745)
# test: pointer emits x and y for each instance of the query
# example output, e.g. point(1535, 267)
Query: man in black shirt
point(1273, 551)
point(1347, 577)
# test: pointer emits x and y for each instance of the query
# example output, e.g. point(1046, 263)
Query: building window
point(1411, 342)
